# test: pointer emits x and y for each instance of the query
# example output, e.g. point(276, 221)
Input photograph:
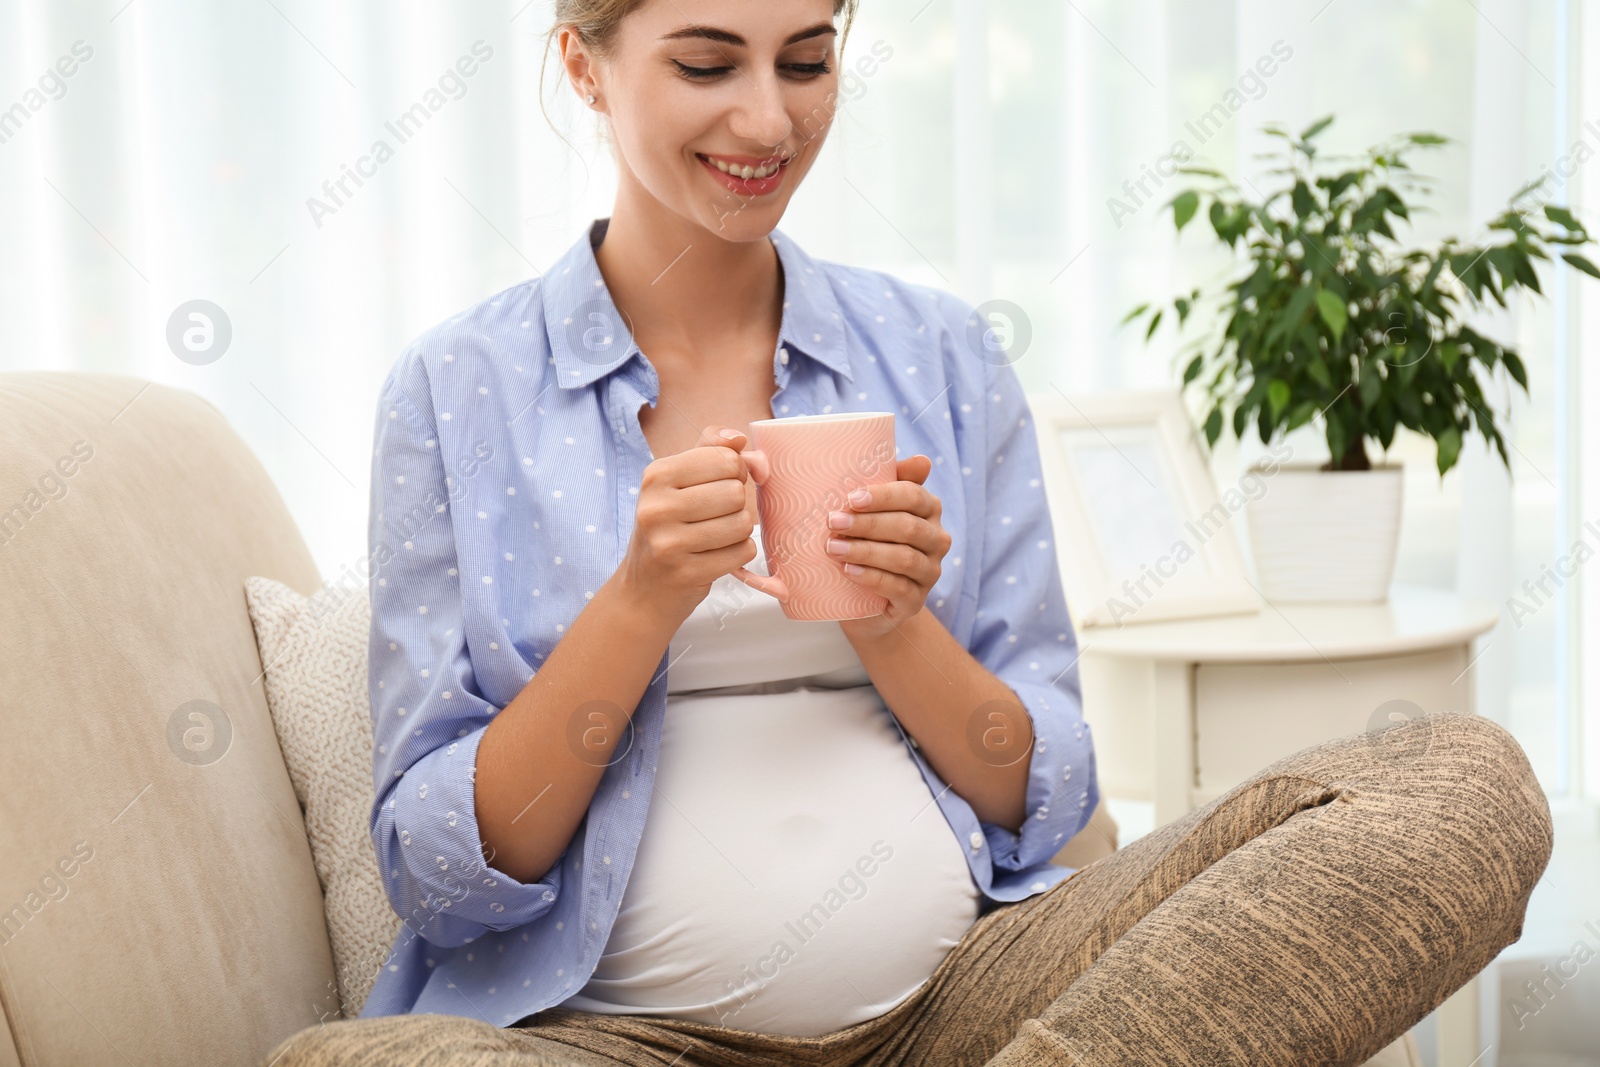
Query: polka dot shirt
point(506, 468)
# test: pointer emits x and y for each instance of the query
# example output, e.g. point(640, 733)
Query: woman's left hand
point(891, 543)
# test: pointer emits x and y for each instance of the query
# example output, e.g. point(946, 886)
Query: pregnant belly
point(794, 875)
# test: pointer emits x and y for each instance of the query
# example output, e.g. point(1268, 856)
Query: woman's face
point(692, 84)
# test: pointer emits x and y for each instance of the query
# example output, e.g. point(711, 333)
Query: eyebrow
point(711, 33)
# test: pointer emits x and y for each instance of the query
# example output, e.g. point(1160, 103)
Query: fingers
point(726, 436)
point(724, 531)
point(695, 466)
point(700, 541)
point(709, 500)
point(902, 512)
point(908, 495)
point(897, 588)
point(893, 527)
point(914, 469)
point(897, 560)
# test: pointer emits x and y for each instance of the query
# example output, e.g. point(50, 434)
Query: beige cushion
point(192, 932)
point(316, 655)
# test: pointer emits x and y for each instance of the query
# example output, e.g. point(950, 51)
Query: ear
point(581, 70)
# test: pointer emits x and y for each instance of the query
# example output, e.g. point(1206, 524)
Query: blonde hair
point(597, 23)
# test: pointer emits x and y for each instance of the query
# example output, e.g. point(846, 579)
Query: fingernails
point(840, 520)
point(860, 498)
point(728, 435)
point(837, 547)
point(852, 568)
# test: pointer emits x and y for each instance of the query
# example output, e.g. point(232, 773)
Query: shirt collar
point(589, 338)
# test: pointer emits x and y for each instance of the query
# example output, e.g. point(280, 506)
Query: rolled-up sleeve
point(427, 714)
point(1023, 633)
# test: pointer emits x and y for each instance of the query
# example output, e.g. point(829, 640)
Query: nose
point(762, 115)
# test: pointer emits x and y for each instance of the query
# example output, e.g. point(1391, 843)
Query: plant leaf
point(1336, 186)
point(1449, 441)
point(1514, 366)
point(1433, 276)
point(1334, 312)
point(1525, 190)
point(1386, 424)
point(1238, 222)
point(1581, 263)
point(1523, 272)
point(1155, 320)
point(1316, 127)
point(1289, 319)
point(1192, 371)
point(1449, 352)
point(1304, 202)
point(1562, 217)
point(1302, 414)
point(1277, 395)
point(1184, 205)
point(1371, 386)
point(1219, 222)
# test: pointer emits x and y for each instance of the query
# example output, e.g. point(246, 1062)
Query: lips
point(733, 178)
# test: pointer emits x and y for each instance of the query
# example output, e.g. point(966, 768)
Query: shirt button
point(976, 839)
point(783, 356)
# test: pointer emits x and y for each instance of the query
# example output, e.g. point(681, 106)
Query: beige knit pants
point(1307, 917)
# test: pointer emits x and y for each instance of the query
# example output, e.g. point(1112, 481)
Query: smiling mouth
point(745, 168)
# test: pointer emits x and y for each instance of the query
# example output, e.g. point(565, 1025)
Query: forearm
point(542, 757)
point(970, 725)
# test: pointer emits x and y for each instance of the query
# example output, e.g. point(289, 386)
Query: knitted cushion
point(315, 654)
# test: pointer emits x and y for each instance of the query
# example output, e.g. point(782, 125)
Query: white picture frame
point(1141, 534)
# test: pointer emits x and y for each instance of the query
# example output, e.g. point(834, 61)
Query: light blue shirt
point(506, 468)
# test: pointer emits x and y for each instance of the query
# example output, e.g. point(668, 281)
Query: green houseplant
point(1334, 320)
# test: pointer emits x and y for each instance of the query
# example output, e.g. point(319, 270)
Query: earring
point(591, 98)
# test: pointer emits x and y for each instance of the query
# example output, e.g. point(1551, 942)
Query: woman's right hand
point(692, 524)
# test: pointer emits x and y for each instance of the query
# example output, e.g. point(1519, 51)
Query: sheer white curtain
point(1005, 149)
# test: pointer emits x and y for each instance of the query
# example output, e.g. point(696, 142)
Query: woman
point(631, 814)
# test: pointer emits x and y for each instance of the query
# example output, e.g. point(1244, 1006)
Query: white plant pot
point(1321, 536)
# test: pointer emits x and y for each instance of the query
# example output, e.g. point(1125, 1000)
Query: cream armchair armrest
point(1403, 1053)
point(1095, 840)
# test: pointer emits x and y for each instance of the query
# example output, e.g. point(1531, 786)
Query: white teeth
point(745, 171)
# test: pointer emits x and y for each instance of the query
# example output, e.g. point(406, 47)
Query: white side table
point(1182, 711)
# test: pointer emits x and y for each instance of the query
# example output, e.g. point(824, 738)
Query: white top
point(795, 875)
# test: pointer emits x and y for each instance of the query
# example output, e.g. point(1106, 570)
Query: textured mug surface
point(812, 462)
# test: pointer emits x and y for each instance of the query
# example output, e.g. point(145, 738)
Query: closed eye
point(700, 72)
point(803, 70)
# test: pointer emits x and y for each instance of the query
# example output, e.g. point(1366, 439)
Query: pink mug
point(805, 467)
